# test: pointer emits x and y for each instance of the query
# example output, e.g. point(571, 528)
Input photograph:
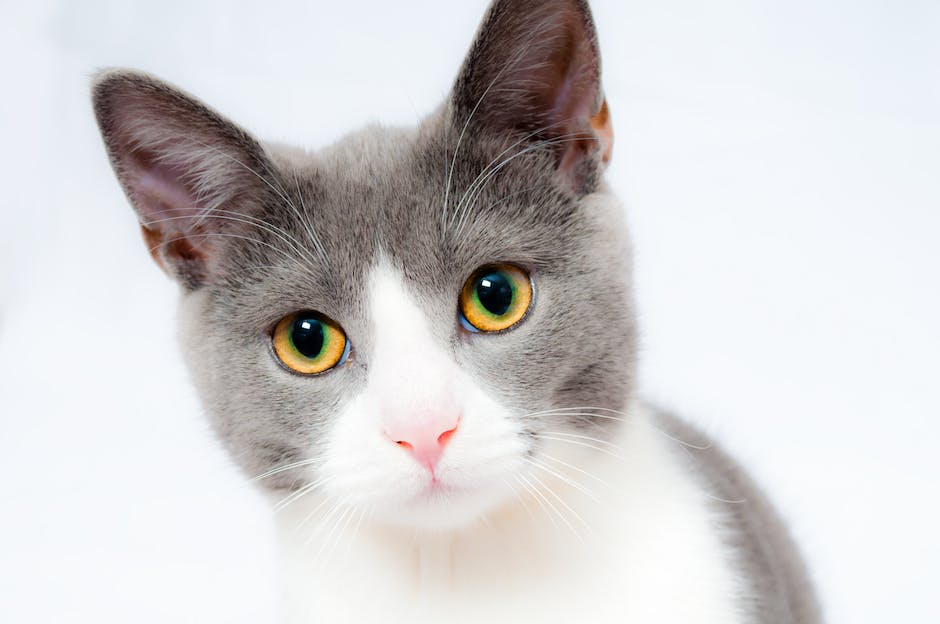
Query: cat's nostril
point(445, 437)
point(424, 441)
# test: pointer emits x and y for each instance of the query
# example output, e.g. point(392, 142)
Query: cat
point(421, 344)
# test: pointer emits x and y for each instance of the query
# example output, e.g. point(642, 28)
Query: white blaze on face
point(423, 443)
point(412, 380)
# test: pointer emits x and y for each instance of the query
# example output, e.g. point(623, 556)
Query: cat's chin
point(443, 507)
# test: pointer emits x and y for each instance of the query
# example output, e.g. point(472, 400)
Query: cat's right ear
point(532, 78)
point(191, 175)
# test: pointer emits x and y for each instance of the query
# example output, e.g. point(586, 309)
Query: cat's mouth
point(436, 488)
point(445, 501)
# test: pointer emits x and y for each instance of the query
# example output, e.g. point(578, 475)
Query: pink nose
point(424, 440)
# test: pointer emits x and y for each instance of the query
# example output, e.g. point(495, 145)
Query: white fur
point(410, 373)
point(641, 546)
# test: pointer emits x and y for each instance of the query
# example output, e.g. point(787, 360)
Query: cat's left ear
point(532, 79)
point(193, 177)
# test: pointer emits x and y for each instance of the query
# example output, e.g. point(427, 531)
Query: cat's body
point(422, 344)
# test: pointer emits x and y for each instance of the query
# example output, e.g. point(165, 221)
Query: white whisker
point(297, 464)
point(331, 541)
point(562, 502)
point(579, 443)
point(531, 490)
point(495, 160)
point(575, 468)
point(224, 235)
point(550, 505)
point(463, 131)
point(290, 498)
point(565, 479)
point(579, 436)
point(621, 416)
point(471, 194)
point(303, 522)
point(305, 222)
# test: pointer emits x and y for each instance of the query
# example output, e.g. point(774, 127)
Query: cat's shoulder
point(762, 548)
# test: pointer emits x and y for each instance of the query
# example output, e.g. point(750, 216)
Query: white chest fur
point(644, 547)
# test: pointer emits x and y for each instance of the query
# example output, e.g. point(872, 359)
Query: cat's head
point(415, 322)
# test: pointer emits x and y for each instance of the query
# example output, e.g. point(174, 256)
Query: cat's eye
point(495, 298)
point(309, 343)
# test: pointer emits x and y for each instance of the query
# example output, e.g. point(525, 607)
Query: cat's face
point(414, 323)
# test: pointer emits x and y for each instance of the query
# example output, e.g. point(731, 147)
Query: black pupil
point(308, 336)
point(495, 292)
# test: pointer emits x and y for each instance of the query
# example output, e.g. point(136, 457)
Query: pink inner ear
point(166, 203)
point(169, 212)
point(572, 72)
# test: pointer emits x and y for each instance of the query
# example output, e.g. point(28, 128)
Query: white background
point(778, 162)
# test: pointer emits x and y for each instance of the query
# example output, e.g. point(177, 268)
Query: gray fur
point(277, 230)
point(771, 566)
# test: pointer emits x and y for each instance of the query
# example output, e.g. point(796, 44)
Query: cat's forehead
point(370, 155)
point(429, 205)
